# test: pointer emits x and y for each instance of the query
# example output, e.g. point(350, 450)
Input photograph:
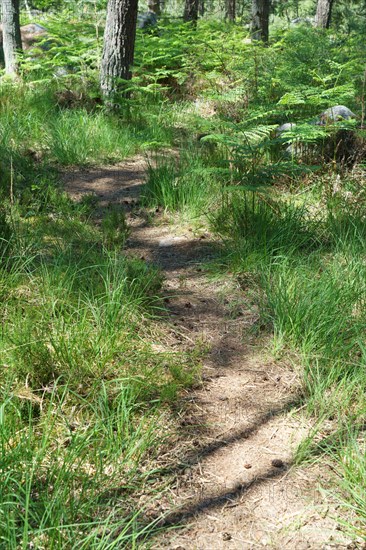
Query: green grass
point(65, 461)
point(64, 127)
point(187, 184)
point(85, 398)
point(84, 395)
point(77, 137)
point(351, 460)
point(306, 271)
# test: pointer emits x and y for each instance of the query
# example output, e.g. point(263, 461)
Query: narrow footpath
point(238, 488)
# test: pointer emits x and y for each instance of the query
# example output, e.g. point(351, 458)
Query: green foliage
point(84, 392)
point(77, 137)
point(330, 334)
point(268, 226)
point(187, 184)
point(351, 460)
point(71, 47)
point(59, 468)
point(114, 227)
point(49, 123)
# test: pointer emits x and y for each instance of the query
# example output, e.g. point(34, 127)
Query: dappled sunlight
point(182, 275)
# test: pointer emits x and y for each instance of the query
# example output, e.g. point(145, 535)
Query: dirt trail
point(238, 490)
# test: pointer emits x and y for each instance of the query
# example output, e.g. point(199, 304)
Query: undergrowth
point(299, 255)
point(85, 396)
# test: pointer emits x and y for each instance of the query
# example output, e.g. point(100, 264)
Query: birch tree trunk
point(260, 19)
point(323, 13)
point(119, 46)
point(12, 41)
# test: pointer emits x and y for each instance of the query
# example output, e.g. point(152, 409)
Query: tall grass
point(187, 184)
point(83, 391)
point(65, 462)
point(62, 126)
point(308, 270)
point(84, 395)
point(78, 137)
point(351, 461)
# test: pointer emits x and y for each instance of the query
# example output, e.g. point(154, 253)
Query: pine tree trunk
point(230, 10)
point(12, 41)
point(260, 20)
point(201, 7)
point(323, 13)
point(191, 11)
point(119, 46)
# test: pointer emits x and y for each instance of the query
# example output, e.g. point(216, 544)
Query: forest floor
point(235, 485)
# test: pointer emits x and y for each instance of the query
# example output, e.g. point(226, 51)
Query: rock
point(294, 149)
point(287, 127)
point(31, 34)
point(60, 72)
point(64, 70)
point(336, 113)
point(343, 145)
point(147, 20)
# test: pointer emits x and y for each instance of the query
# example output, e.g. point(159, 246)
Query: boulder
point(343, 145)
point(286, 127)
point(335, 114)
point(340, 145)
point(31, 34)
point(285, 149)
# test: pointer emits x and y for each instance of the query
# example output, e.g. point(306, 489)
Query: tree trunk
point(119, 46)
point(323, 13)
point(12, 41)
point(201, 7)
point(260, 19)
point(191, 11)
point(230, 10)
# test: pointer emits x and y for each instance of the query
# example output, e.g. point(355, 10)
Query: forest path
point(238, 489)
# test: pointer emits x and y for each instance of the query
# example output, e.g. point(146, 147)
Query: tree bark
point(12, 41)
point(191, 11)
point(230, 10)
point(119, 46)
point(260, 20)
point(323, 13)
